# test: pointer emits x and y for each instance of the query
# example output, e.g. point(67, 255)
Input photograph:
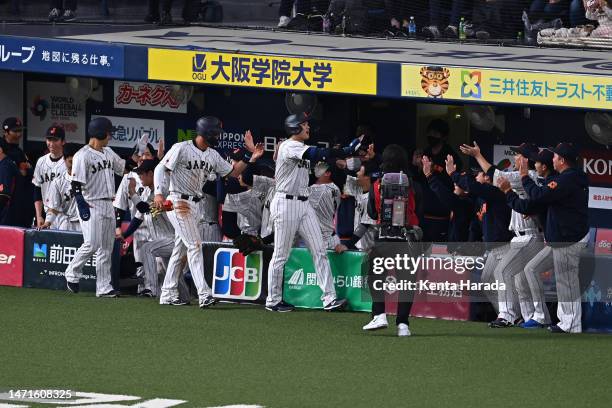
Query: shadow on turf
point(505, 335)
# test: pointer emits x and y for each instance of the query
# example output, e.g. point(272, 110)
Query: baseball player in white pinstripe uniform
point(291, 213)
point(515, 300)
point(61, 207)
point(324, 198)
point(159, 246)
point(125, 201)
point(48, 167)
point(248, 205)
point(93, 183)
point(364, 227)
point(187, 167)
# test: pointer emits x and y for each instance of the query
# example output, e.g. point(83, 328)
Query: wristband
point(247, 156)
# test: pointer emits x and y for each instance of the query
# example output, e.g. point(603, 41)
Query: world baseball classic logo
point(237, 276)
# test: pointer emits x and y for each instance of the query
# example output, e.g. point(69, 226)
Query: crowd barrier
point(38, 259)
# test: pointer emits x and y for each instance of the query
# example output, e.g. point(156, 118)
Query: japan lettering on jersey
point(96, 171)
point(46, 171)
point(325, 199)
point(60, 197)
point(190, 167)
point(291, 170)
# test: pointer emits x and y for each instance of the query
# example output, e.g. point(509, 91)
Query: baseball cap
point(99, 127)
point(14, 124)
point(544, 157)
point(567, 151)
point(146, 165)
point(56, 132)
point(526, 149)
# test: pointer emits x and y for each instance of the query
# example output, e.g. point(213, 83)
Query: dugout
point(161, 80)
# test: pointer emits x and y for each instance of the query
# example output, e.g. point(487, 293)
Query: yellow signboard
point(519, 87)
point(262, 71)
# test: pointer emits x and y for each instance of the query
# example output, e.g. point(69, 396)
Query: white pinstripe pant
point(160, 248)
point(98, 238)
point(566, 263)
point(291, 217)
point(542, 262)
point(494, 257)
point(187, 241)
point(515, 300)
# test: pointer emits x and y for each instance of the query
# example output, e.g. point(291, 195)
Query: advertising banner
point(94, 59)
point(11, 256)
point(149, 97)
point(597, 164)
point(263, 71)
point(129, 131)
point(505, 86)
point(50, 104)
point(349, 271)
point(234, 277)
point(597, 297)
point(600, 197)
point(442, 303)
point(503, 157)
point(603, 242)
point(47, 253)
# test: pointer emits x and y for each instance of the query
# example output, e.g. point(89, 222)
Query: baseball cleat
point(556, 329)
point(207, 302)
point(403, 330)
point(72, 287)
point(533, 324)
point(173, 302)
point(378, 322)
point(500, 323)
point(111, 294)
point(336, 304)
point(281, 307)
point(146, 293)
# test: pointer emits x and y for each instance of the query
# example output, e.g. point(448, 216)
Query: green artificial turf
point(238, 354)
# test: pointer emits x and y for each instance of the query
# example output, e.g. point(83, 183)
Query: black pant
point(68, 4)
point(386, 249)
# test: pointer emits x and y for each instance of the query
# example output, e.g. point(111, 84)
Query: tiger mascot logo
point(434, 81)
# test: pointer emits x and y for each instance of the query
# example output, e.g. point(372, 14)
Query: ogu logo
point(237, 276)
point(198, 67)
point(199, 63)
